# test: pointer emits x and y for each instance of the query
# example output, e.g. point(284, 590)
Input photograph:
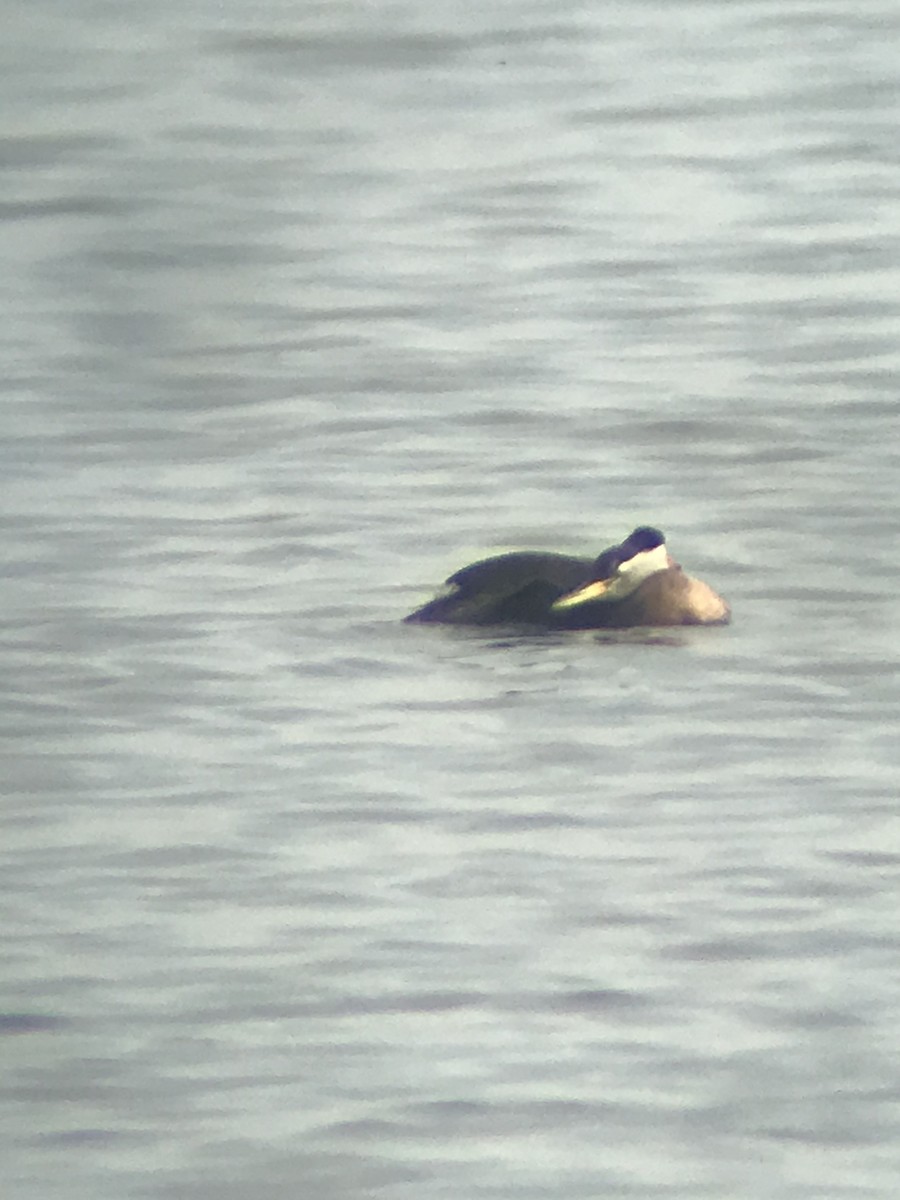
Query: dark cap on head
point(643, 538)
point(640, 540)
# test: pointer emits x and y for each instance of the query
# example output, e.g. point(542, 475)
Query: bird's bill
point(590, 591)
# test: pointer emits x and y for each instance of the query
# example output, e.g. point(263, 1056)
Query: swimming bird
point(634, 583)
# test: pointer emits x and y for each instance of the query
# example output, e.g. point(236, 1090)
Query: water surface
point(305, 307)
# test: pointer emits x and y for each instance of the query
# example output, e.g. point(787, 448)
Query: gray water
point(305, 306)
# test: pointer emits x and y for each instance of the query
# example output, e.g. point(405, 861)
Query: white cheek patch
point(637, 569)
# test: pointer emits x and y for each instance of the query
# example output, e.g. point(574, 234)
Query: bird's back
point(510, 588)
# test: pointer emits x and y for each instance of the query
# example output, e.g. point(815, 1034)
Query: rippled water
point(305, 306)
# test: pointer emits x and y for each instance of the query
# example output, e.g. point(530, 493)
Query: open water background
point(304, 306)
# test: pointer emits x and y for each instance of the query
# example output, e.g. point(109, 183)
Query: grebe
point(634, 583)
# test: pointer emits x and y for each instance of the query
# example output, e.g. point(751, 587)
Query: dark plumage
point(630, 584)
